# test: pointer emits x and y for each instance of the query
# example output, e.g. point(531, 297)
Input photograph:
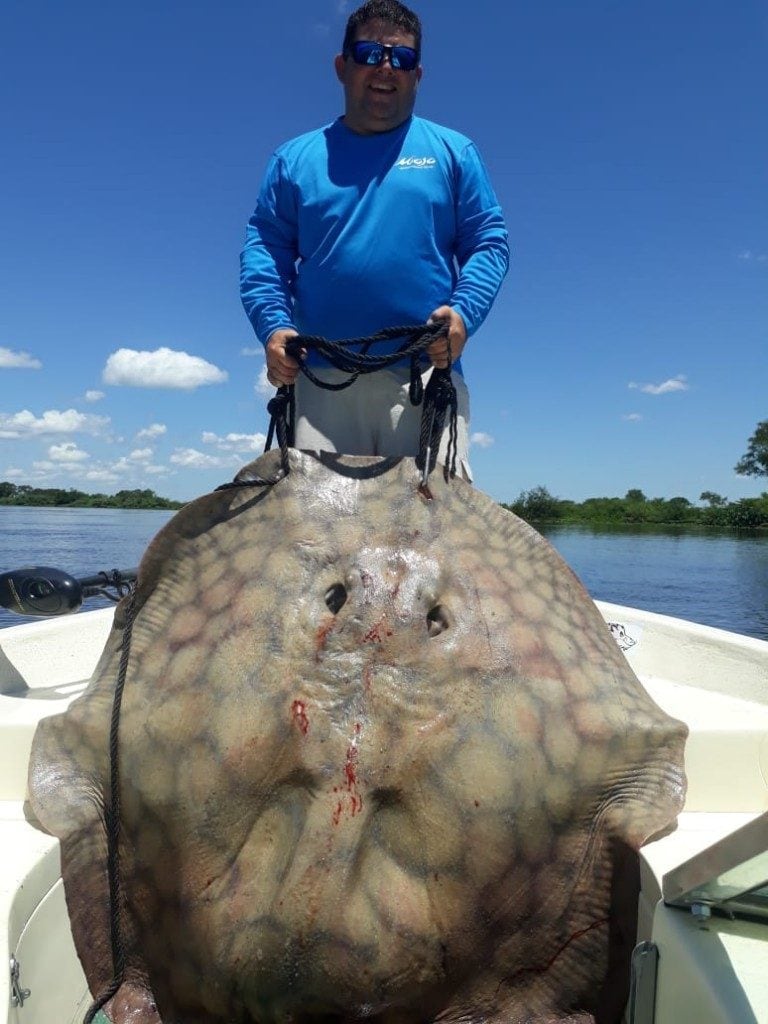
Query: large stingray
point(380, 759)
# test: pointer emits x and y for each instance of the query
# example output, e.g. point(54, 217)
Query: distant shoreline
point(539, 506)
point(24, 496)
point(534, 506)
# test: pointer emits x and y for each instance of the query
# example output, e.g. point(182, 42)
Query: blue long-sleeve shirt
point(353, 233)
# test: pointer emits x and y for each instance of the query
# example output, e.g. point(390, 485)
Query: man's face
point(377, 99)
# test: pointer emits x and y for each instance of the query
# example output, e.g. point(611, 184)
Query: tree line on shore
point(535, 506)
point(58, 497)
point(539, 506)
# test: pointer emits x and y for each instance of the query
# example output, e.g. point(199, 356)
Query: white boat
point(702, 953)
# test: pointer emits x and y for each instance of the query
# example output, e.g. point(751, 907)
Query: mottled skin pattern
point(381, 759)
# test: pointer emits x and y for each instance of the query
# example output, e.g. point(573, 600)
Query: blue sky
point(627, 144)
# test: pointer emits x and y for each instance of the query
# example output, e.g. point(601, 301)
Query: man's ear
point(339, 64)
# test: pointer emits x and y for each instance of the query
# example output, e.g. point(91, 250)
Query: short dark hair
point(391, 11)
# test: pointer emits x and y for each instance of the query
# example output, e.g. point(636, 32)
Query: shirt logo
point(408, 163)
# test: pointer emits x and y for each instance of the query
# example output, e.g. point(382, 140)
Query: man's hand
point(281, 368)
point(457, 335)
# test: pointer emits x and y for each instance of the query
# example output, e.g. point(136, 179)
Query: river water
point(720, 579)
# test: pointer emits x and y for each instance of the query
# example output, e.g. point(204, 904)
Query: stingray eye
point(437, 620)
point(336, 597)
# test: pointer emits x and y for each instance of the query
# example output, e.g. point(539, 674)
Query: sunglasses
point(402, 58)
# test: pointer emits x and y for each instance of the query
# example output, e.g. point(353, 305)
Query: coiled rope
point(353, 357)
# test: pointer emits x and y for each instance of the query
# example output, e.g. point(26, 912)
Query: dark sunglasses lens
point(367, 53)
point(404, 58)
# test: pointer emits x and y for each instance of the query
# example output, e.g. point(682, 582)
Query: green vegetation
point(539, 506)
point(11, 494)
point(634, 509)
point(535, 506)
point(755, 461)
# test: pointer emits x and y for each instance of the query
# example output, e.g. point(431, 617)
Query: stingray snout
point(399, 588)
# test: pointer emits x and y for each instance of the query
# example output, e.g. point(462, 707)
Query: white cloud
point(26, 424)
point(137, 461)
point(10, 360)
point(153, 430)
point(235, 442)
point(66, 462)
point(257, 350)
point(262, 386)
point(94, 396)
point(140, 455)
point(481, 440)
point(67, 452)
point(747, 255)
point(162, 368)
point(193, 459)
point(127, 466)
point(677, 383)
point(102, 474)
point(632, 417)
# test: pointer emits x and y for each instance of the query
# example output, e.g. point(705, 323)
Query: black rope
point(439, 401)
point(113, 580)
point(345, 357)
point(112, 816)
point(352, 356)
point(282, 412)
point(232, 485)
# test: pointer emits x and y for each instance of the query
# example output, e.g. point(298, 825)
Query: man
point(380, 219)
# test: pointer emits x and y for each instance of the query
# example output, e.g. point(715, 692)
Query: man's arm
point(482, 248)
point(268, 259)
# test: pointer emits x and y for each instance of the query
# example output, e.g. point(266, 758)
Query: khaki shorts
point(373, 416)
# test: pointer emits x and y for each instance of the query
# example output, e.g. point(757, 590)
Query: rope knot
point(439, 399)
point(282, 410)
point(278, 404)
